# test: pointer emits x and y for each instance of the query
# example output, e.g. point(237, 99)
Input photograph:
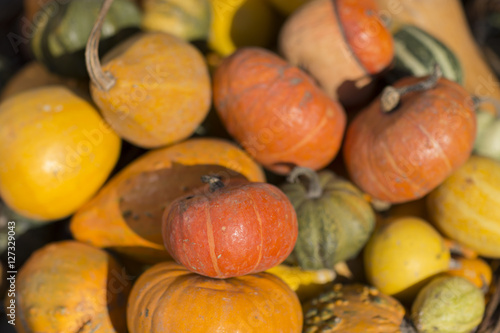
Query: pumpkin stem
point(314, 191)
point(215, 182)
point(103, 80)
point(391, 96)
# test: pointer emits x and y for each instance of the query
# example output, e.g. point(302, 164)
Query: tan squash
point(126, 214)
point(445, 20)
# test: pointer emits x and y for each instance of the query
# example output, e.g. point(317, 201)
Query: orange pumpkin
point(231, 230)
point(68, 286)
point(153, 89)
point(276, 111)
point(126, 213)
point(476, 270)
point(169, 298)
point(401, 155)
point(341, 43)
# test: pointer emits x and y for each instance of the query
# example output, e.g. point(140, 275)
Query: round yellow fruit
point(56, 152)
point(466, 206)
point(402, 254)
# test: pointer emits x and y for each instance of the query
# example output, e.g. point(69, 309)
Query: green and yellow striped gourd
point(416, 52)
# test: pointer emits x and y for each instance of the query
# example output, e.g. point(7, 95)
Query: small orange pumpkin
point(126, 213)
point(276, 111)
point(231, 230)
point(399, 155)
point(475, 270)
point(68, 286)
point(170, 298)
point(341, 43)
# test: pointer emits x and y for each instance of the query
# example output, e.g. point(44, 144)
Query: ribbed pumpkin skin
point(238, 229)
point(101, 222)
point(276, 112)
point(465, 206)
point(332, 228)
point(339, 43)
point(162, 91)
point(404, 154)
point(169, 298)
point(71, 287)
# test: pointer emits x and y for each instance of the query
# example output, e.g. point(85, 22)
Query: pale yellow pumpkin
point(56, 152)
point(466, 207)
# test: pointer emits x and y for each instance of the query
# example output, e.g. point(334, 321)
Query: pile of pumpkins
point(297, 166)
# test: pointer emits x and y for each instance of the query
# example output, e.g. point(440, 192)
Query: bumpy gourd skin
point(169, 298)
point(353, 308)
point(71, 287)
point(448, 305)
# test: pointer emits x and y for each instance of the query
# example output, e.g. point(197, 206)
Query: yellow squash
point(402, 254)
point(56, 152)
point(466, 207)
point(237, 23)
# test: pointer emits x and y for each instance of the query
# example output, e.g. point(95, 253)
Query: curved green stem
point(314, 190)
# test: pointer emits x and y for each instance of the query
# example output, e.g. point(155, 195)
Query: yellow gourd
point(402, 254)
point(56, 152)
point(237, 23)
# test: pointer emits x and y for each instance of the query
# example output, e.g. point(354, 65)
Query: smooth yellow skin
point(56, 152)
point(403, 253)
point(257, 24)
point(466, 207)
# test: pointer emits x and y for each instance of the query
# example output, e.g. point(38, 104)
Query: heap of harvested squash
point(251, 166)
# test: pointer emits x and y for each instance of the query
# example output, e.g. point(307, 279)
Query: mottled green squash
point(62, 29)
point(335, 220)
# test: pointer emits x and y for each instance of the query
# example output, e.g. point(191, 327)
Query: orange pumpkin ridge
point(238, 229)
point(369, 45)
point(276, 111)
point(404, 154)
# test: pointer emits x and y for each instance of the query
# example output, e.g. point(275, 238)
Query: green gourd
point(63, 28)
point(448, 305)
point(335, 220)
point(416, 53)
point(488, 134)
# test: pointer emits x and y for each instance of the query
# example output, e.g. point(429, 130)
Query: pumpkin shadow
point(118, 286)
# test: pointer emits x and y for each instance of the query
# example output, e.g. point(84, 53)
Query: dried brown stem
point(103, 80)
point(391, 96)
point(314, 190)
